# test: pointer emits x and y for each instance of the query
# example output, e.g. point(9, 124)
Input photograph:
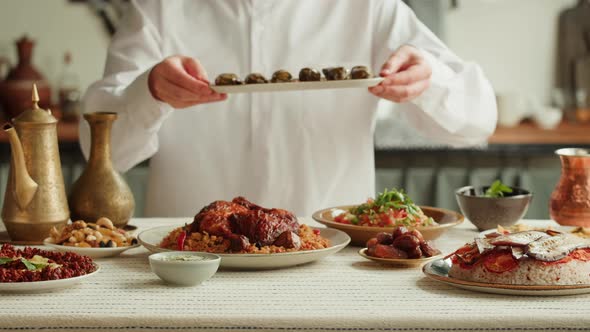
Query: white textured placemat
point(341, 292)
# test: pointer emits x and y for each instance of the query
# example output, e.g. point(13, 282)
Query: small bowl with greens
point(489, 206)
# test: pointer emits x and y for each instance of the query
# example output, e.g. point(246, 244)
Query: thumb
point(194, 68)
point(395, 62)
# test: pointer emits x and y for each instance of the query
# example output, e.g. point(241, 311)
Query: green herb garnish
point(33, 264)
point(4, 260)
point(30, 266)
point(497, 189)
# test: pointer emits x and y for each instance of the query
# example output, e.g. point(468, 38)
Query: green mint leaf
point(30, 266)
point(4, 260)
point(497, 189)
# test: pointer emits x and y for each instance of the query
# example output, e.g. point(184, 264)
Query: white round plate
point(297, 85)
point(90, 252)
point(43, 286)
point(151, 239)
point(439, 270)
point(399, 262)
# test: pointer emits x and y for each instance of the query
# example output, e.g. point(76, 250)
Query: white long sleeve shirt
point(299, 150)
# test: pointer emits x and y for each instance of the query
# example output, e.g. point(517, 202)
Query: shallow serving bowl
point(184, 273)
point(486, 213)
point(399, 262)
point(361, 234)
point(90, 252)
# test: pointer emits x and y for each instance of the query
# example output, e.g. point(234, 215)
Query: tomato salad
point(389, 209)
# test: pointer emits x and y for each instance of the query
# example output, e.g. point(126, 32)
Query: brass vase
point(570, 201)
point(101, 191)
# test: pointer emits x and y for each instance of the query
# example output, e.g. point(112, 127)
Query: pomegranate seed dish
point(524, 258)
point(31, 264)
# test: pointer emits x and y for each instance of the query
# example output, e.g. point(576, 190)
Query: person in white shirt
point(298, 150)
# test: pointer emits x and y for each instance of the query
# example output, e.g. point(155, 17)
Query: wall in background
point(57, 26)
point(514, 41)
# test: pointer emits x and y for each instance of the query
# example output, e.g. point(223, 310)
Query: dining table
point(342, 292)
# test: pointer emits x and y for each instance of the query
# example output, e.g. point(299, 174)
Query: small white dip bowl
point(184, 268)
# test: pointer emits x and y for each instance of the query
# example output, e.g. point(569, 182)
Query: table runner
point(343, 292)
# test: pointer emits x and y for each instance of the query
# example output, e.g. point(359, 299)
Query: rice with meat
point(202, 241)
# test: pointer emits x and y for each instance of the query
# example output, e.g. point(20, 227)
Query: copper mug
point(570, 200)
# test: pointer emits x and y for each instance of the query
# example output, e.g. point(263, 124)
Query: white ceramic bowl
point(549, 118)
point(184, 272)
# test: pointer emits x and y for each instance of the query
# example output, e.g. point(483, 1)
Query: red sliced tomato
point(500, 261)
point(341, 218)
point(400, 214)
point(581, 254)
point(460, 252)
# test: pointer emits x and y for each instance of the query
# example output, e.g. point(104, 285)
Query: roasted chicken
point(245, 223)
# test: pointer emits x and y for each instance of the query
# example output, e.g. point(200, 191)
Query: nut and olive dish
point(360, 72)
point(309, 75)
point(335, 73)
point(401, 244)
point(281, 76)
point(227, 79)
point(102, 234)
point(255, 78)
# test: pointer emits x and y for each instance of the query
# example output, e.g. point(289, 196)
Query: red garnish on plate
point(316, 231)
point(500, 261)
point(180, 241)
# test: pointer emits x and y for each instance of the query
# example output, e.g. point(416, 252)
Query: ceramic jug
point(15, 93)
point(570, 201)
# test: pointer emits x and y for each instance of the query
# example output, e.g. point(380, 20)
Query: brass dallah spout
point(24, 186)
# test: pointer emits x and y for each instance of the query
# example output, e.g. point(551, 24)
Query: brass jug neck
point(100, 135)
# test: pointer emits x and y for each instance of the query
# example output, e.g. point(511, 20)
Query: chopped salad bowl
point(445, 219)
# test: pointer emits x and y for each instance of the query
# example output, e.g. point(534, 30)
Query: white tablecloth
point(343, 292)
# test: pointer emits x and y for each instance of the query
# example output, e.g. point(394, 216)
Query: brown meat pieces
point(214, 218)
point(400, 244)
point(245, 223)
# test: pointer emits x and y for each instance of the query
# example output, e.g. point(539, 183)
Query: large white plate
point(296, 85)
point(439, 271)
point(90, 252)
point(151, 238)
point(43, 286)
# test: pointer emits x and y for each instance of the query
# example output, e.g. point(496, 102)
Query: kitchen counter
point(430, 174)
point(526, 133)
point(343, 292)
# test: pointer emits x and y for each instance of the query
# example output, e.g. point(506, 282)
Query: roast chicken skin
point(243, 223)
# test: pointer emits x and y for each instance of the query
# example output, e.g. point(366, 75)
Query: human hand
point(407, 76)
point(181, 82)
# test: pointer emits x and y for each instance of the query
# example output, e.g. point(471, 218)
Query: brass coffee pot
point(35, 198)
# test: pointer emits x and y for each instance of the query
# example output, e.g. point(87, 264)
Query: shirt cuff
point(436, 99)
point(142, 108)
